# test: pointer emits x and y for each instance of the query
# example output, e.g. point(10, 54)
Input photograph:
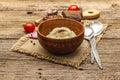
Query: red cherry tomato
point(73, 7)
point(29, 27)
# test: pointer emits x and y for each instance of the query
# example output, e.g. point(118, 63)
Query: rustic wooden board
point(15, 66)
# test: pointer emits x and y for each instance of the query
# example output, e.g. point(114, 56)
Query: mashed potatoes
point(61, 33)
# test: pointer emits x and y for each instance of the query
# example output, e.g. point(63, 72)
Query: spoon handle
point(94, 44)
point(95, 53)
point(92, 57)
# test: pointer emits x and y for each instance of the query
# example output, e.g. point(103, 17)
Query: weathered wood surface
point(15, 66)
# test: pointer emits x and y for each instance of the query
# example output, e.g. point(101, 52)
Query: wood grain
point(16, 66)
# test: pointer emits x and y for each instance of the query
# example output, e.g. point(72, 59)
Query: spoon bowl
point(97, 28)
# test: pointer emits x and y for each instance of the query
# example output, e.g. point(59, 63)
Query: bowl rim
point(82, 32)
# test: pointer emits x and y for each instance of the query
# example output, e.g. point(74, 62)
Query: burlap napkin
point(32, 47)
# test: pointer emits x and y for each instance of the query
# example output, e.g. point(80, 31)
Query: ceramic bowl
point(60, 46)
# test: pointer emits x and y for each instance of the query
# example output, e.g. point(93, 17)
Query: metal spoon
point(97, 28)
point(89, 35)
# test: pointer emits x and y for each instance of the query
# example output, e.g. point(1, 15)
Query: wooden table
point(16, 66)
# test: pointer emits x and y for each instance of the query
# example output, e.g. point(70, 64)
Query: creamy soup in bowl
point(61, 33)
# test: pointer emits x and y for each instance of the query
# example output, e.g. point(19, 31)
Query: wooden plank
point(56, 1)
point(20, 16)
point(63, 4)
point(107, 52)
point(15, 30)
point(11, 29)
point(16, 15)
point(35, 70)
